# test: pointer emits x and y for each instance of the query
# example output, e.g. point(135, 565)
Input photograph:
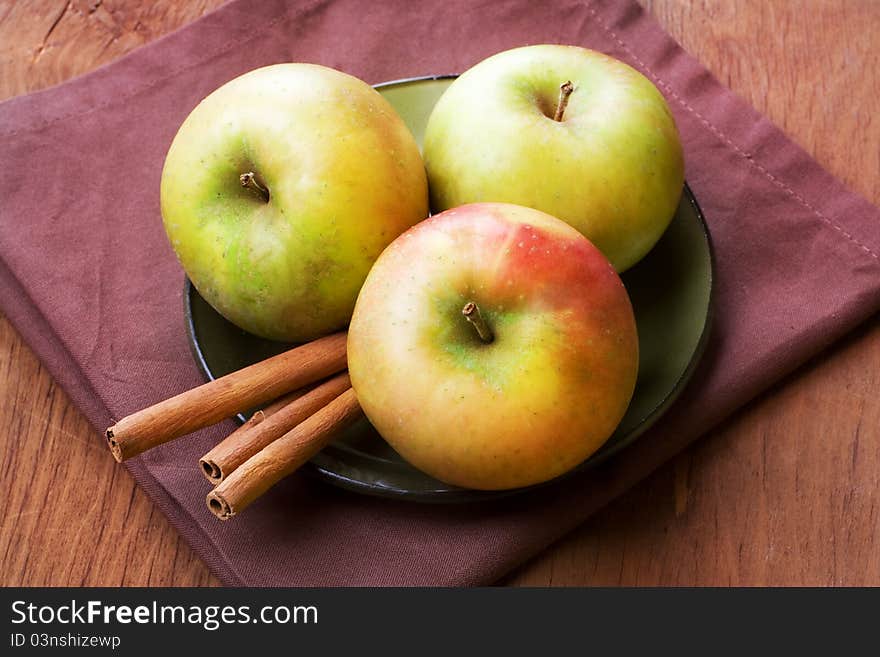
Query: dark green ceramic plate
point(671, 292)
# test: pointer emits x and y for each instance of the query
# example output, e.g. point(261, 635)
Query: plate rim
point(452, 494)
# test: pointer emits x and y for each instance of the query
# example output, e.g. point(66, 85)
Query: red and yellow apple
point(493, 346)
point(601, 153)
point(281, 189)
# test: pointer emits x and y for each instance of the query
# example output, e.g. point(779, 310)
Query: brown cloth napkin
point(87, 277)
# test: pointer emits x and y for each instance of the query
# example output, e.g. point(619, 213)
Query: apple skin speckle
point(344, 178)
point(536, 401)
point(613, 168)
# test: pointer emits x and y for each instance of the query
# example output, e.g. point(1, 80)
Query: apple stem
point(249, 179)
point(472, 314)
point(565, 90)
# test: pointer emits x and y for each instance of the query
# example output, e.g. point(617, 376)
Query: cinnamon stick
point(238, 391)
point(283, 456)
point(210, 470)
point(250, 438)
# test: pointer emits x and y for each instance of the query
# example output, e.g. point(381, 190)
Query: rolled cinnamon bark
point(250, 438)
point(283, 456)
point(256, 418)
point(238, 391)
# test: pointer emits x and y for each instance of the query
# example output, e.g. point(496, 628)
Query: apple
point(566, 130)
point(280, 190)
point(493, 346)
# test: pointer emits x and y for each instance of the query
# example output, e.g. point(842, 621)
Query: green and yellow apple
point(565, 130)
point(281, 189)
point(493, 346)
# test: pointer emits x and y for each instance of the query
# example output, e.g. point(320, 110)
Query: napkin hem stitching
point(727, 140)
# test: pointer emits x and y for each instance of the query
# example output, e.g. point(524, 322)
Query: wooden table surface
point(785, 493)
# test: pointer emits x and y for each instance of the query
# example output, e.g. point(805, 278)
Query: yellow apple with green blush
point(280, 190)
point(566, 130)
point(493, 346)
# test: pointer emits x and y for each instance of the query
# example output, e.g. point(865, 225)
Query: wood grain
point(78, 519)
point(785, 493)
